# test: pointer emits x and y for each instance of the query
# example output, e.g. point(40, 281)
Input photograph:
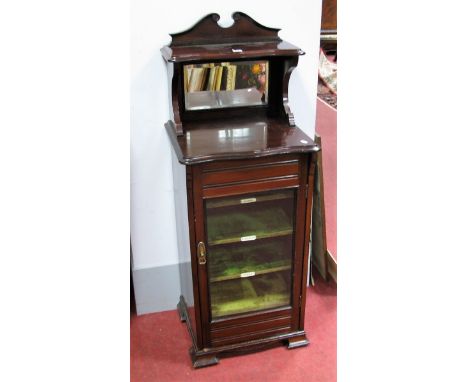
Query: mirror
point(225, 84)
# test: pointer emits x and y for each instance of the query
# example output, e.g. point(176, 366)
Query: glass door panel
point(250, 251)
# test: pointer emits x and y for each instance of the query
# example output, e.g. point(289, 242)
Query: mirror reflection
point(225, 84)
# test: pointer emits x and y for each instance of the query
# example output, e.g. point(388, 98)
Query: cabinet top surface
point(238, 138)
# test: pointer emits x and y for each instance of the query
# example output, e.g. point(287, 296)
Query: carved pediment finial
point(208, 31)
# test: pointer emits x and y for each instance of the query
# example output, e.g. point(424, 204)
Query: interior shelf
point(238, 239)
point(252, 273)
point(246, 295)
point(253, 259)
point(244, 201)
point(234, 227)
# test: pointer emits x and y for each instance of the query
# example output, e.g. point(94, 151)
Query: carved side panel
point(289, 66)
point(176, 122)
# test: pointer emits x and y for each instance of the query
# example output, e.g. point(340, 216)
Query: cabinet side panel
point(181, 209)
point(183, 236)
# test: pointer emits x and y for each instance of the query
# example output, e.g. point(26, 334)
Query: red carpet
point(160, 342)
point(326, 128)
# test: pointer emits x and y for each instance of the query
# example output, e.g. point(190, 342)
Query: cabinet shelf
point(233, 262)
point(238, 239)
point(240, 226)
point(256, 273)
point(245, 201)
point(246, 295)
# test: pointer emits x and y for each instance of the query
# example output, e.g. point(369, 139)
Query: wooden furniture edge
point(209, 355)
point(233, 156)
point(332, 267)
point(319, 174)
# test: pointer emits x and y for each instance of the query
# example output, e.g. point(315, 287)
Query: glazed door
point(249, 254)
point(250, 247)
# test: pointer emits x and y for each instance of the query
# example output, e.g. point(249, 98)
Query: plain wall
point(153, 230)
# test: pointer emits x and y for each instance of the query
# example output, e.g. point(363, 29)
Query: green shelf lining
point(237, 202)
point(247, 295)
point(237, 239)
point(231, 268)
point(257, 273)
point(251, 305)
point(225, 228)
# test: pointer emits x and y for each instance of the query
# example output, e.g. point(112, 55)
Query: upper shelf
point(229, 51)
point(246, 38)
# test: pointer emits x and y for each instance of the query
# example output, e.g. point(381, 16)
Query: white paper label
point(248, 200)
point(237, 50)
point(248, 238)
point(247, 274)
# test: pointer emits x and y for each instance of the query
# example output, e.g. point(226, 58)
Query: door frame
point(279, 181)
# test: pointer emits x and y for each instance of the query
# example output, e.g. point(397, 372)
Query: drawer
point(257, 170)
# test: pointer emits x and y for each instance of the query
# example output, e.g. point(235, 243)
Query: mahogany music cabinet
point(243, 183)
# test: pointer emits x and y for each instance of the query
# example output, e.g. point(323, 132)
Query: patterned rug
point(327, 80)
point(326, 95)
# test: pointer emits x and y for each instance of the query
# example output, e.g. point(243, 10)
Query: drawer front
point(235, 172)
point(251, 173)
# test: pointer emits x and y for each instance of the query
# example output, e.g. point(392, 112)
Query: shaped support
point(176, 121)
point(289, 66)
